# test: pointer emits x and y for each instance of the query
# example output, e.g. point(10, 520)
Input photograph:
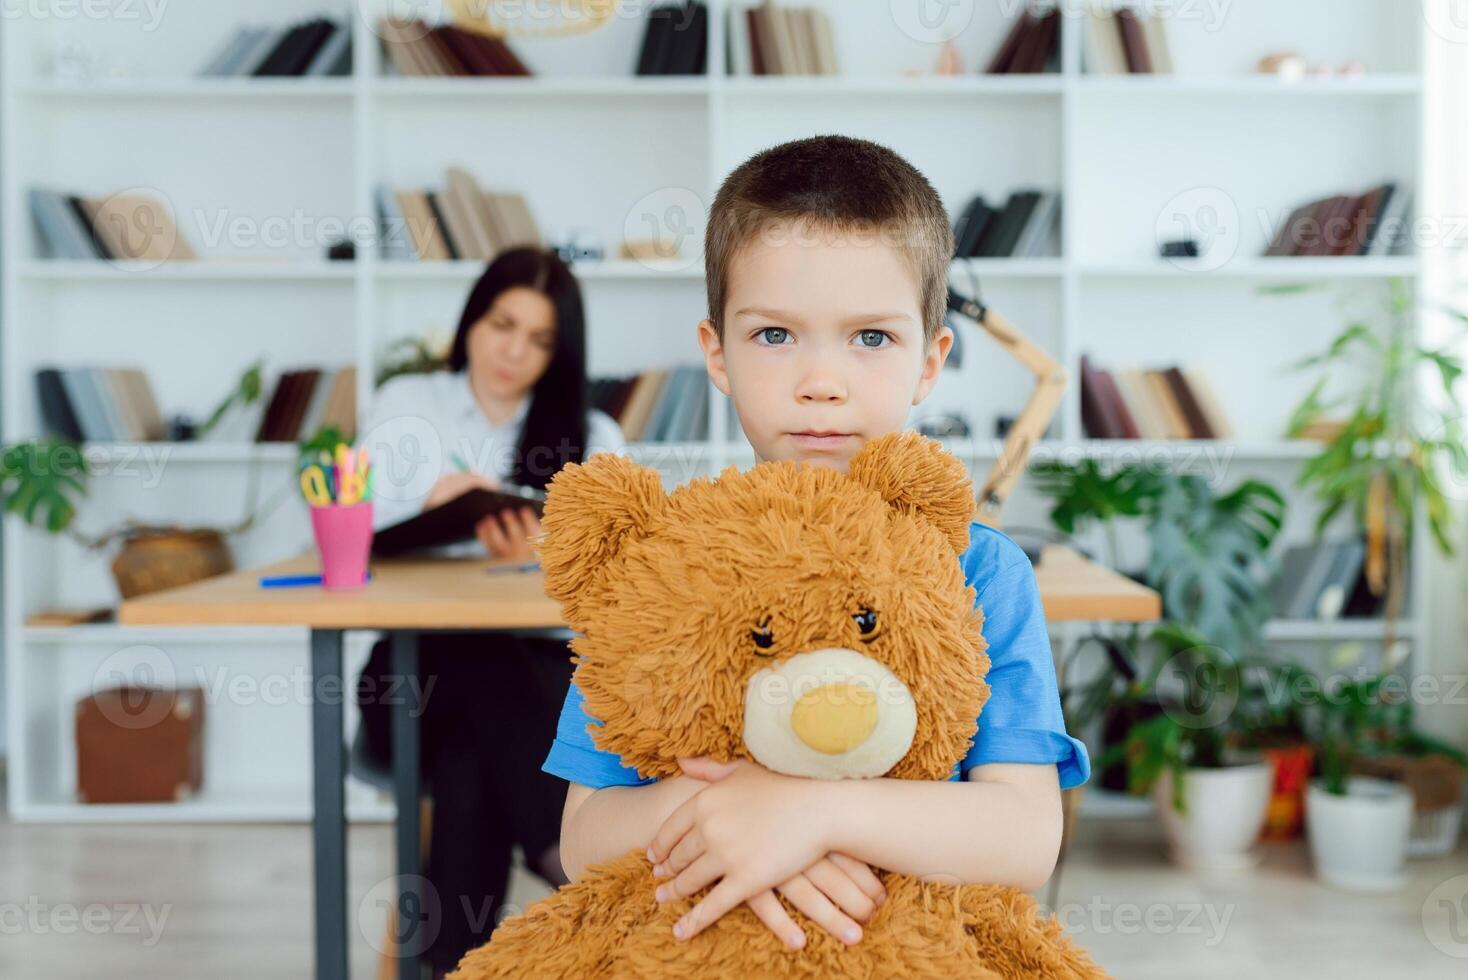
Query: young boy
point(827, 269)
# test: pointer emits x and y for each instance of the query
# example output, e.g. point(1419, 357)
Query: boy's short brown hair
point(824, 186)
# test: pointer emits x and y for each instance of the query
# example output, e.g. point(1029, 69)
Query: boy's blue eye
point(774, 336)
point(872, 338)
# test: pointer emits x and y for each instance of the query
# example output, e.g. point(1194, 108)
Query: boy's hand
point(750, 831)
point(836, 893)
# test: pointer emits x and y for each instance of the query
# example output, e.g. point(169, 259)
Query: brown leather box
point(140, 745)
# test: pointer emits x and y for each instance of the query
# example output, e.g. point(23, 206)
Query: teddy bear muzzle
point(833, 713)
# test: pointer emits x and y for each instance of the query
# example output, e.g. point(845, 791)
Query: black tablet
point(453, 520)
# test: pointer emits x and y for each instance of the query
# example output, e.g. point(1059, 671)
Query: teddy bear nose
point(835, 718)
point(831, 713)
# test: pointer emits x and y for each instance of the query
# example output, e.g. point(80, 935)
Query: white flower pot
point(1359, 841)
point(1225, 811)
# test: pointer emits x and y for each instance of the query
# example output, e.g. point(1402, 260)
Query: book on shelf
point(122, 226)
point(1126, 41)
point(659, 405)
point(89, 404)
point(1166, 403)
point(317, 47)
point(1026, 227)
point(457, 221)
point(1031, 47)
point(1373, 223)
point(416, 49)
point(307, 400)
point(771, 39)
point(674, 40)
point(1325, 580)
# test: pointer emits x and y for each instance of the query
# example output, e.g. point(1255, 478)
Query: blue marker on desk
point(293, 581)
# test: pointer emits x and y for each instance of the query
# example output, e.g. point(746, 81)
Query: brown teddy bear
point(813, 621)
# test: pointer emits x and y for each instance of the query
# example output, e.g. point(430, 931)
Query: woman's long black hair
point(554, 433)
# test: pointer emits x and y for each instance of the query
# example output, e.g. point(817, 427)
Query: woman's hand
point(750, 831)
point(450, 485)
point(508, 534)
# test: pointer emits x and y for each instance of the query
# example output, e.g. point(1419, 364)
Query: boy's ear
point(592, 510)
point(915, 474)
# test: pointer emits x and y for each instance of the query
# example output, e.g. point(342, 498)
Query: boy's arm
point(1000, 826)
point(600, 825)
point(753, 828)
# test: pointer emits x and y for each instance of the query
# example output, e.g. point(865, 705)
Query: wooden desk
point(407, 597)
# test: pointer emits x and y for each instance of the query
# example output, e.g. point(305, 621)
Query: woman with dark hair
point(510, 408)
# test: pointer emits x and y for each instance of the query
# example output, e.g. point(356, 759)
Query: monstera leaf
point(1208, 554)
point(41, 480)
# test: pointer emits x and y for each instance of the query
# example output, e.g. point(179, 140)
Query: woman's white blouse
point(424, 426)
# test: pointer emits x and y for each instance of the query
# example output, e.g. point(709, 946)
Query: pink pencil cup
point(344, 541)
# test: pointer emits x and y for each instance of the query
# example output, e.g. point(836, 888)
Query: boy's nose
point(820, 387)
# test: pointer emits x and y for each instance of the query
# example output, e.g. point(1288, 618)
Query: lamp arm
point(1029, 426)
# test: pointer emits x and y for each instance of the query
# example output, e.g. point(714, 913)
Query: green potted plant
point(1387, 444)
point(44, 482)
point(1179, 738)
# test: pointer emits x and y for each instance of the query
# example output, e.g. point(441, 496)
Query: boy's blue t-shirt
point(1021, 721)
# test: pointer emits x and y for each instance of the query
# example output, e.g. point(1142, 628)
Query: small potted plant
point(1272, 719)
point(1211, 790)
point(1358, 826)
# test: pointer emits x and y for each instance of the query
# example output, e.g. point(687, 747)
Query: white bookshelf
point(595, 149)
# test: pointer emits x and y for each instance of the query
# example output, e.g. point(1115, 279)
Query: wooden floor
point(235, 901)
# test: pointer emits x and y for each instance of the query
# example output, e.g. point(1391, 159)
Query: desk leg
point(328, 821)
point(414, 930)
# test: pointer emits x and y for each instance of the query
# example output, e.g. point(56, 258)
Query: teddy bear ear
point(915, 474)
point(591, 510)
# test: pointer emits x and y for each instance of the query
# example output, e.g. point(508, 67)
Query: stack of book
point(1324, 581)
point(414, 48)
point(1026, 227)
point(658, 405)
point(99, 405)
point(1032, 46)
point(675, 41)
point(771, 40)
point(1169, 403)
point(1373, 223)
point(316, 47)
point(306, 401)
point(123, 226)
point(458, 221)
point(1120, 42)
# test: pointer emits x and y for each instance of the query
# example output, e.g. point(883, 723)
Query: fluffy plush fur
point(668, 592)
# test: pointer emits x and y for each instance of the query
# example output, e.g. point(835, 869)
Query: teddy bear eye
point(866, 622)
point(763, 637)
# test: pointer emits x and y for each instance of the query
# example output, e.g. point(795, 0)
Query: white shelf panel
point(621, 87)
point(466, 270)
point(197, 452)
point(1335, 629)
point(114, 633)
point(924, 86)
point(190, 88)
point(256, 805)
point(1262, 268)
point(204, 270)
point(1342, 86)
point(1100, 804)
